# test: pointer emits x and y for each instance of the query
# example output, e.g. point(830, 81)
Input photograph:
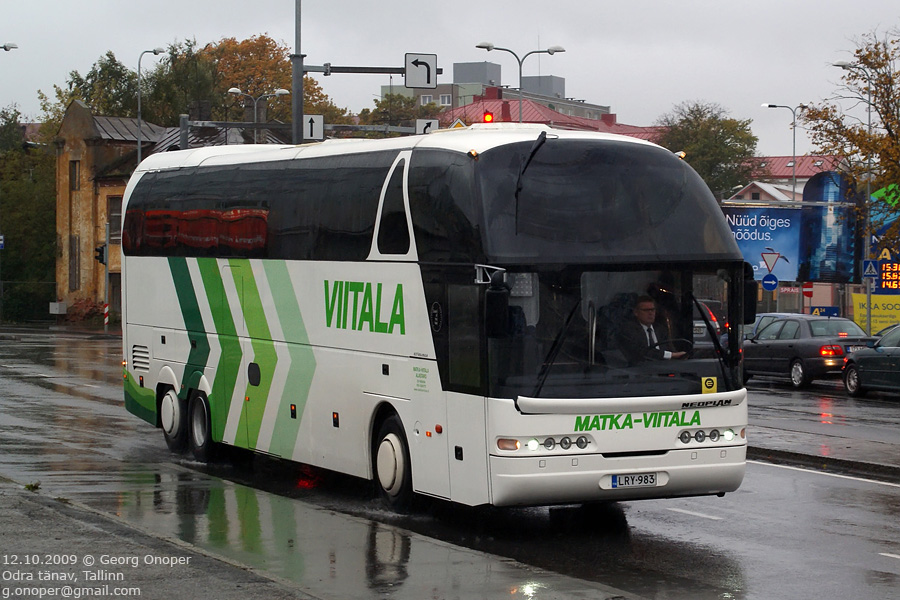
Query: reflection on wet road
point(785, 534)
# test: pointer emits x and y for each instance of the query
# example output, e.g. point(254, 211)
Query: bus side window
point(393, 230)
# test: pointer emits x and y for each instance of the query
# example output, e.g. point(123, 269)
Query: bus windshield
point(576, 333)
point(590, 201)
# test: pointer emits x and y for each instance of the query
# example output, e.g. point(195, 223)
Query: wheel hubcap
point(389, 462)
point(168, 413)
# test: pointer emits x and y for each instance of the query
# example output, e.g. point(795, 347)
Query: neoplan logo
point(358, 304)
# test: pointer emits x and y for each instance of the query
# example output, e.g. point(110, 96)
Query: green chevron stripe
point(303, 362)
point(263, 351)
point(190, 312)
point(230, 359)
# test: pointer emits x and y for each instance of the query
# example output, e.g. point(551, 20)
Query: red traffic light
point(488, 117)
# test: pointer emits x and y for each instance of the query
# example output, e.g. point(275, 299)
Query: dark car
point(803, 347)
point(876, 367)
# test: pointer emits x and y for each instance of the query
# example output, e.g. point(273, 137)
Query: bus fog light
point(728, 434)
point(533, 444)
point(700, 435)
point(508, 444)
point(550, 443)
point(714, 435)
point(565, 443)
point(685, 437)
point(581, 442)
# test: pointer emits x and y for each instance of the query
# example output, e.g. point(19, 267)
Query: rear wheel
point(799, 377)
point(200, 430)
point(393, 471)
point(851, 381)
point(173, 420)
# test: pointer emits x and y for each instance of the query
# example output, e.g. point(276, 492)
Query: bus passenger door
point(455, 313)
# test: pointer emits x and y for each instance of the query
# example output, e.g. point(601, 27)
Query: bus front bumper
point(592, 477)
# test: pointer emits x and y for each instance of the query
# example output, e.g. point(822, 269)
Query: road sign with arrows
point(313, 127)
point(420, 70)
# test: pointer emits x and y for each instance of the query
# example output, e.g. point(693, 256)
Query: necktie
point(650, 336)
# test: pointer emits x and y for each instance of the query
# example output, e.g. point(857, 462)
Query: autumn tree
point(717, 146)
point(839, 125)
point(189, 76)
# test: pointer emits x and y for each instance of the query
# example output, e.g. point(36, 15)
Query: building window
point(445, 100)
point(427, 100)
point(754, 196)
point(74, 175)
point(114, 215)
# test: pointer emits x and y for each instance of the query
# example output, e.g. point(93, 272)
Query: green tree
point(184, 78)
point(28, 222)
point(840, 126)
point(398, 109)
point(717, 146)
point(109, 88)
point(10, 129)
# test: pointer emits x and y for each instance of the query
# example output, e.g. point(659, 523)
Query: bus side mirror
point(496, 307)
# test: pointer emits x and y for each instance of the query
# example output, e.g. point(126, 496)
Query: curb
point(878, 472)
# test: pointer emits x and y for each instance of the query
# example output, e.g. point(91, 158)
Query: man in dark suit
point(639, 338)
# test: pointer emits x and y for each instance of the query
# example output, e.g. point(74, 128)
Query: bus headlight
point(581, 442)
point(549, 443)
point(565, 443)
point(533, 444)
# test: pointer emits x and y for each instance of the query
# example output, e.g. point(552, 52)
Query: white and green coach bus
point(441, 313)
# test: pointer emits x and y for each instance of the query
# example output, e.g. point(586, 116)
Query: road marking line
point(850, 477)
point(897, 556)
point(695, 514)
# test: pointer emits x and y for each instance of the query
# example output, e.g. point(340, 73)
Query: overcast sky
point(640, 57)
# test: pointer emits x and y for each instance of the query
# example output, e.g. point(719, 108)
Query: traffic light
point(488, 117)
point(100, 254)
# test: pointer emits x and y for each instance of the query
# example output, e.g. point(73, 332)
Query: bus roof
point(479, 137)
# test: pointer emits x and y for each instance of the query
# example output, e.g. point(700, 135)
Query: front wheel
point(851, 381)
point(173, 420)
point(393, 470)
point(200, 430)
point(799, 377)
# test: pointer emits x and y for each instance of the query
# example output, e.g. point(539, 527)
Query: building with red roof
point(503, 106)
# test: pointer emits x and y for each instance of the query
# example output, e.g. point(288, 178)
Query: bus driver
point(639, 338)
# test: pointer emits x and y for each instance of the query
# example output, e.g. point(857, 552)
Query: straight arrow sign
point(313, 127)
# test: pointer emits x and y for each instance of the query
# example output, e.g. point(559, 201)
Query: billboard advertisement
point(828, 249)
point(768, 238)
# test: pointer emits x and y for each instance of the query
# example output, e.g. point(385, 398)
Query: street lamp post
point(9, 46)
point(551, 50)
point(238, 92)
point(156, 52)
point(867, 235)
point(794, 147)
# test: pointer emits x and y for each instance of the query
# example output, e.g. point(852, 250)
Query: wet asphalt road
point(787, 533)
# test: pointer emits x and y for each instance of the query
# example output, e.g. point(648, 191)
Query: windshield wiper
point(534, 148)
point(554, 351)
